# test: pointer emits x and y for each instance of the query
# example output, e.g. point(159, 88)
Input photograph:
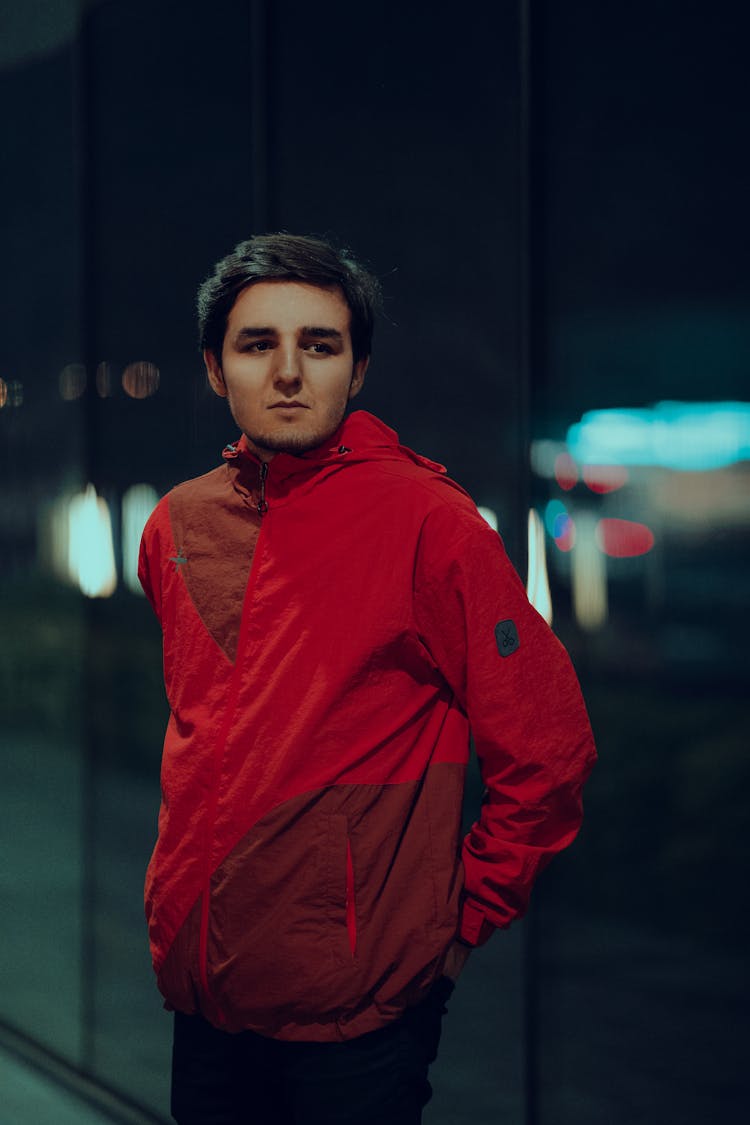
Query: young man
point(336, 618)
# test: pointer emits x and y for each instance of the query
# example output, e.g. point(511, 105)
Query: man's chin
point(293, 442)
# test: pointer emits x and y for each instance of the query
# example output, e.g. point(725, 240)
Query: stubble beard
point(287, 443)
point(297, 441)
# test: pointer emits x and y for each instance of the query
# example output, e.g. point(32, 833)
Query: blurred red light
point(605, 478)
point(623, 539)
point(565, 536)
point(566, 471)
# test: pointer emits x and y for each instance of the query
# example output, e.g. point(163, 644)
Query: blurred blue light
point(674, 435)
point(552, 513)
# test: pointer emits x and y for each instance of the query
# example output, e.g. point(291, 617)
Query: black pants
point(245, 1079)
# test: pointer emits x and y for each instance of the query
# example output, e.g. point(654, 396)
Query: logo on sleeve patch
point(506, 636)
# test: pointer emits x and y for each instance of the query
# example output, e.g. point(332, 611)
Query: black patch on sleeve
point(506, 637)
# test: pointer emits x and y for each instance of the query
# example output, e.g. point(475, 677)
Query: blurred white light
point(91, 556)
point(55, 535)
point(137, 505)
point(537, 583)
point(588, 576)
point(489, 516)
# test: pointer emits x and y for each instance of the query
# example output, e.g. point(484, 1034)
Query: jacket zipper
point(234, 690)
point(262, 505)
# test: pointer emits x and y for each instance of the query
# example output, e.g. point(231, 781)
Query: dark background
point(555, 199)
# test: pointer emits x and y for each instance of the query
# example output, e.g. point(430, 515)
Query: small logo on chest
point(179, 560)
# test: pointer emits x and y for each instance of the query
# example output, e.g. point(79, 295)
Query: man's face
point(287, 368)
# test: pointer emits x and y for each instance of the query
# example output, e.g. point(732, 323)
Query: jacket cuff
point(473, 928)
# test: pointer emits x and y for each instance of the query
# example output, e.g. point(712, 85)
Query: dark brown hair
point(287, 257)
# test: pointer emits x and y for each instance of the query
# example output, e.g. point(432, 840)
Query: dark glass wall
point(41, 622)
point(149, 143)
point(641, 304)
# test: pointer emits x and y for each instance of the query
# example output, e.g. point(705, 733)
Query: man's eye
point(320, 349)
point(257, 346)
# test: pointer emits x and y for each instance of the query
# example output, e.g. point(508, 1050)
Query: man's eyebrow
point(322, 333)
point(318, 332)
point(248, 333)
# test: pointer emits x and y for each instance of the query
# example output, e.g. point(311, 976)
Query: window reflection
point(628, 488)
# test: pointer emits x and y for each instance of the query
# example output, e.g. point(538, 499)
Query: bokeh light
point(623, 539)
point(604, 478)
point(537, 582)
point(489, 515)
point(137, 505)
point(15, 393)
point(141, 379)
point(589, 577)
point(566, 471)
point(72, 381)
point(675, 435)
point(91, 556)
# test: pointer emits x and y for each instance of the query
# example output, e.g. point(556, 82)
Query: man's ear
point(215, 374)
point(358, 376)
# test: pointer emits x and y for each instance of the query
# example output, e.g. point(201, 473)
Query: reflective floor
point(635, 1025)
point(29, 1098)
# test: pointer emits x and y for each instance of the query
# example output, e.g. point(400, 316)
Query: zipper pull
point(262, 505)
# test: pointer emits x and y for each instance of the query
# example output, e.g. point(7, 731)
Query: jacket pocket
point(341, 895)
point(351, 903)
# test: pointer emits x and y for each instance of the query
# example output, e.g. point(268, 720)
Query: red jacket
point(324, 662)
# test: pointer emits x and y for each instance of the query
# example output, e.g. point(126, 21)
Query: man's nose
point(287, 369)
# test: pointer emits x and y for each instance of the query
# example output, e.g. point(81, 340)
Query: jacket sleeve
point(516, 684)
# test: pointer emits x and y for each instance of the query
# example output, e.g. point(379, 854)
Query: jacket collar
point(361, 437)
